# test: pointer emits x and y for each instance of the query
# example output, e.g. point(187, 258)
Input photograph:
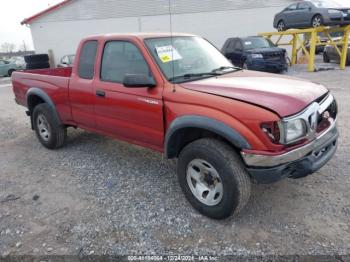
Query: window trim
point(125, 41)
point(95, 59)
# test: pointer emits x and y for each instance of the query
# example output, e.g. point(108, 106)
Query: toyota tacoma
point(177, 94)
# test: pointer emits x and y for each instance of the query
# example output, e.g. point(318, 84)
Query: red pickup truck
point(179, 95)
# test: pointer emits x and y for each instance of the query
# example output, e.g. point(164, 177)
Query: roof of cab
point(141, 36)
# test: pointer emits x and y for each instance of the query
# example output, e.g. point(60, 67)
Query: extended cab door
point(81, 93)
point(134, 114)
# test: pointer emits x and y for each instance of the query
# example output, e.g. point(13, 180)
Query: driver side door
point(132, 114)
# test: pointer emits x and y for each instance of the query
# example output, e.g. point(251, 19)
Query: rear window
point(87, 60)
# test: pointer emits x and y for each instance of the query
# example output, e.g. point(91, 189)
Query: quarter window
point(121, 58)
point(87, 60)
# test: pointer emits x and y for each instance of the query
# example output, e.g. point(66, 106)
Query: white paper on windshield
point(168, 53)
point(248, 43)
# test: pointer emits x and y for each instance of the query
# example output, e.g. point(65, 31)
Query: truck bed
point(54, 82)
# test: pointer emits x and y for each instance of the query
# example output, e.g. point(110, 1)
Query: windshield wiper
point(188, 76)
point(222, 68)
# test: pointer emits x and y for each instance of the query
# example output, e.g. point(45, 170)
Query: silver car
point(313, 13)
point(7, 68)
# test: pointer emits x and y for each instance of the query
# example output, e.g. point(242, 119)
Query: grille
point(275, 55)
point(323, 119)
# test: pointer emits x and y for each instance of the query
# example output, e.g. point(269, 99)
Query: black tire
point(281, 26)
point(41, 65)
point(9, 73)
point(317, 21)
point(235, 180)
point(57, 132)
point(40, 58)
point(326, 58)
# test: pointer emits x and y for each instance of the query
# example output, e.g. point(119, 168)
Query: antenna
point(171, 41)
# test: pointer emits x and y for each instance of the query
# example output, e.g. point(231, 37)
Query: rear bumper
point(296, 163)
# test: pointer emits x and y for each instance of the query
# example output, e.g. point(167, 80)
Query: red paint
point(44, 12)
point(241, 100)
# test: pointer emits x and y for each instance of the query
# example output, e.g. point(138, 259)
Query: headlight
point(292, 130)
point(254, 56)
point(333, 11)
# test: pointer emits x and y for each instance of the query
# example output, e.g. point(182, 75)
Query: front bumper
point(297, 163)
point(267, 66)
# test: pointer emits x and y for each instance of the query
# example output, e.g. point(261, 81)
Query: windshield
point(187, 58)
point(257, 42)
point(326, 4)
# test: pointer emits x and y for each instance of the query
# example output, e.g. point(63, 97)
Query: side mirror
point(138, 80)
point(6, 62)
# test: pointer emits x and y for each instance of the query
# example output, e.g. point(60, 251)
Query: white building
point(61, 27)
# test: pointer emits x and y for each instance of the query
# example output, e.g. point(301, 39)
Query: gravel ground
point(102, 196)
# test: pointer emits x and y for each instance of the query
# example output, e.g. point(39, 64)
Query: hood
point(265, 50)
point(283, 95)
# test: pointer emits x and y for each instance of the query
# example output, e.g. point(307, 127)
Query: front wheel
point(9, 73)
point(326, 58)
point(50, 133)
point(213, 178)
point(281, 26)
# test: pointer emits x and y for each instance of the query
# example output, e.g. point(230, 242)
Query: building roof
point(53, 8)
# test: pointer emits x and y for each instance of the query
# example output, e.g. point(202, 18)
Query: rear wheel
point(50, 133)
point(213, 178)
point(317, 21)
point(281, 26)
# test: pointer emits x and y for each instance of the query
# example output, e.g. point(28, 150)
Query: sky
point(12, 13)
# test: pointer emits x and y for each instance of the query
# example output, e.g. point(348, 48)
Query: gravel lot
point(101, 196)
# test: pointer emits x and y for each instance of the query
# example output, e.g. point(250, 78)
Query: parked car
point(314, 13)
point(177, 94)
point(255, 53)
point(324, 39)
point(19, 61)
point(7, 68)
point(330, 54)
point(66, 61)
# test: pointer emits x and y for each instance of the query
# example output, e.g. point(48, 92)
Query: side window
point(65, 60)
point(292, 7)
point(121, 58)
point(87, 60)
point(238, 45)
point(303, 6)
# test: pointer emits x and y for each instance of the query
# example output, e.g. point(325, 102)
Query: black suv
point(255, 53)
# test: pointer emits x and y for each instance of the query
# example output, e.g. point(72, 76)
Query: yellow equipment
point(311, 37)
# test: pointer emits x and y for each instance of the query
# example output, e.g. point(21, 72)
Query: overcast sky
point(12, 12)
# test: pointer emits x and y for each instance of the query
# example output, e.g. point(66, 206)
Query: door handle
point(100, 93)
